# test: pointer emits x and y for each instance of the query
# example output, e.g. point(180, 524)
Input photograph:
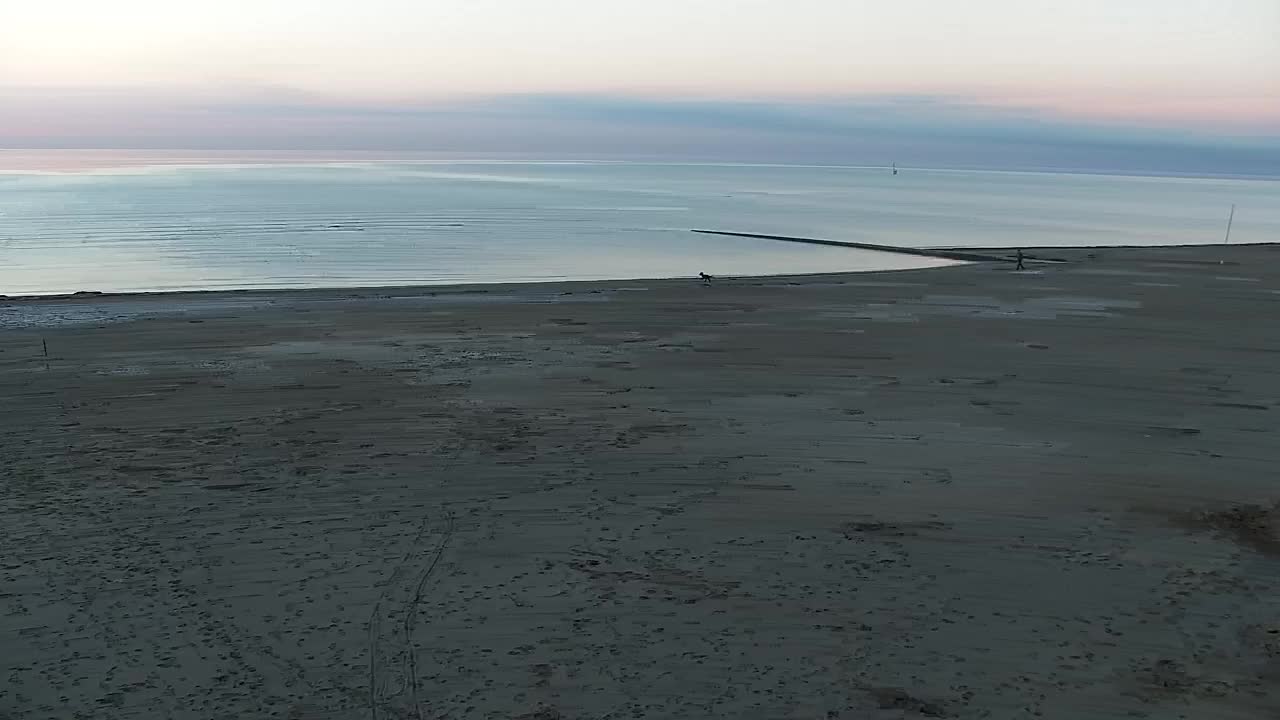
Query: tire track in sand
point(413, 586)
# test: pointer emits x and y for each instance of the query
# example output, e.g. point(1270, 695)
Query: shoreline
point(1079, 252)
point(963, 492)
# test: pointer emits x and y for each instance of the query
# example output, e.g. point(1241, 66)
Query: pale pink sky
point(88, 70)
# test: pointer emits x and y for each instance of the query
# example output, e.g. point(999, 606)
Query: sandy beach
point(961, 492)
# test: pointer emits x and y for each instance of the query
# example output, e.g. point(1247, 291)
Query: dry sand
point(959, 493)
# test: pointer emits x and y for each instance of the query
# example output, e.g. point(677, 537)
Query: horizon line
point(262, 158)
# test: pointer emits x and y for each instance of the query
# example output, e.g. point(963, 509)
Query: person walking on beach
point(1020, 265)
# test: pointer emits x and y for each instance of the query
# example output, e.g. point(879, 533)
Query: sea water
point(118, 222)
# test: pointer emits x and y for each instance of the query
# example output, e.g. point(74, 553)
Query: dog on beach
point(706, 279)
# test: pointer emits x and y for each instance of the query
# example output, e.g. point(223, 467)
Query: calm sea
point(116, 222)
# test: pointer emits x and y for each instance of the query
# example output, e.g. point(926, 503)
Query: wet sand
point(960, 493)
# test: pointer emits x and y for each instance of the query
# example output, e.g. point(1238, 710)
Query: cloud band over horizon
point(944, 131)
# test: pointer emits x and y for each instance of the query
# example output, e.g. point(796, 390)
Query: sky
point(1167, 85)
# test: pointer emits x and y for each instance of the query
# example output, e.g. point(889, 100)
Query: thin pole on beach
point(1227, 239)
